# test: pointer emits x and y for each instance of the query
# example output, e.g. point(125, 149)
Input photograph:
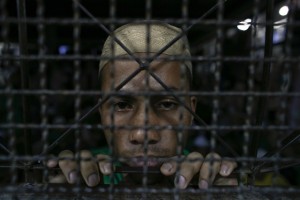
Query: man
point(145, 125)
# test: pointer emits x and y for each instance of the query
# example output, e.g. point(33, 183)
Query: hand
point(207, 169)
point(89, 168)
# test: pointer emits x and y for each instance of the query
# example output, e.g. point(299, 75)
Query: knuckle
point(66, 153)
point(195, 155)
point(85, 154)
point(213, 155)
point(65, 159)
point(65, 164)
point(101, 157)
point(229, 163)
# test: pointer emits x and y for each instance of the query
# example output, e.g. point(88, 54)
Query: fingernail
point(93, 179)
point(167, 166)
point(73, 177)
point(224, 170)
point(107, 168)
point(180, 182)
point(51, 163)
point(203, 184)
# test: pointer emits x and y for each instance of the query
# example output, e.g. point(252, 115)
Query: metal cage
point(245, 57)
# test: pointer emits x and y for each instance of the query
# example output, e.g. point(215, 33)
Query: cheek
point(170, 139)
point(117, 119)
point(178, 119)
point(117, 140)
point(108, 136)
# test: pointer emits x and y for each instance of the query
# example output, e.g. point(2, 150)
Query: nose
point(142, 134)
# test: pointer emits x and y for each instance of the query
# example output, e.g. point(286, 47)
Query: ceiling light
point(244, 25)
point(284, 10)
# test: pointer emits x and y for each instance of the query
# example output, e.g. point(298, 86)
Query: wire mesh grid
point(245, 78)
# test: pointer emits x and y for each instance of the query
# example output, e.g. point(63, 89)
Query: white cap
point(134, 37)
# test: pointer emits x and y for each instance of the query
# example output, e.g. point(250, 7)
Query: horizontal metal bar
point(63, 191)
point(34, 57)
point(120, 21)
point(149, 93)
point(128, 127)
point(38, 158)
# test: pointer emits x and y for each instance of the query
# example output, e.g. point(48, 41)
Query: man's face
point(161, 113)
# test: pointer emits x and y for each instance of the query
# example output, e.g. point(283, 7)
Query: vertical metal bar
point(262, 101)
point(217, 81)
point(112, 13)
point(43, 80)
point(217, 72)
point(250, 99)
point(148, 13)
point(180, 131)
point(22, 26)
point(9, 102)
point(284, 88)
point(77, 88)
point(4, 63)
point(12, 135)
point(217, 76)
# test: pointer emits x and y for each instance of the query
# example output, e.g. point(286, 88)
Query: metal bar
point(249, 107)
point(130, 192)
point(138, 60)
point(262, 101)
point(40, 11)
point(5, 149)
point(236, 59)
point(284, 143)
point(197, 118)
point(64, 134)
point(55, 143)
point(22, 26)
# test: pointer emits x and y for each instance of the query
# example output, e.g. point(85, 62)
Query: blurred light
point(63, 49)
point(280, 23)
point(244, 25)
point(284, 10)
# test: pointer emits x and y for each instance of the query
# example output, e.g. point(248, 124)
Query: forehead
point(169, 72)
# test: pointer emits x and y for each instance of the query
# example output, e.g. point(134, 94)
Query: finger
point(226, 181)
point(209, 170)
point(68, 167)
point(57, 179)
point(169, 168)
point(188, 169)
point(89, 169)
point(227, 167)
point(51, 162)
point(104, 164)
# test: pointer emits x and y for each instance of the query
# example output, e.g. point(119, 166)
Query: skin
point(162, 145)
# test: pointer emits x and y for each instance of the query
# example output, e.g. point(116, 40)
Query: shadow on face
point(144, 116)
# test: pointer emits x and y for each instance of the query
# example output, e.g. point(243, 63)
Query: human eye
point(122, 106)
point(167, 104)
